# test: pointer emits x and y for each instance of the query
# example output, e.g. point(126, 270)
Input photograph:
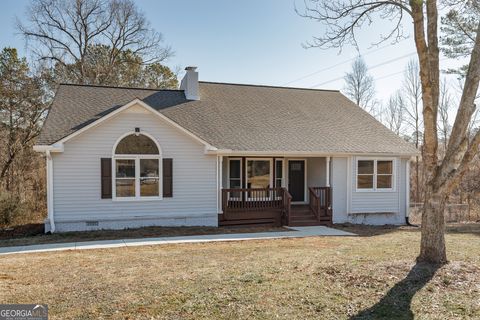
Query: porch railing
point(321, 201)
point(239, 202)
point(287, 204)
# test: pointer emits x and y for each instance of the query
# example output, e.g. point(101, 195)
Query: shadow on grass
point(396, 304)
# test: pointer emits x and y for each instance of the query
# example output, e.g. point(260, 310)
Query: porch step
point(302, 214)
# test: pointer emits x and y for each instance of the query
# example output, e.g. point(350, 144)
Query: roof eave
point(230, 152)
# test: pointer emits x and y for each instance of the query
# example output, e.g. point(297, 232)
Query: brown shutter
point(167, 177)
point(106, 176)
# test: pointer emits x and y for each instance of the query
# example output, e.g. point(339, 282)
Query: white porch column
point(327, 173)
point(220, 183)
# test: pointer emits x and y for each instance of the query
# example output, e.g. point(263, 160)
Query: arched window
point(137, 167)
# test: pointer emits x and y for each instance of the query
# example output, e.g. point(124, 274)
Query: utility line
point(338, 64)
point(373, 67)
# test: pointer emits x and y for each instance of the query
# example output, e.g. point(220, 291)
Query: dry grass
point(372, 276)
point(34, 234)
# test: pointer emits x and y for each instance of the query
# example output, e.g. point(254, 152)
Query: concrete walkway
point(296, 232)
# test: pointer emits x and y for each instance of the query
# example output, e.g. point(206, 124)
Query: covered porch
point(292, 191)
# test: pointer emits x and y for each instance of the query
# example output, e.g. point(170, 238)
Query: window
point(258, 173)
point(365, 174)
point(149, 182)
point(278, 173)
point(136, 144)
point(235, 175)
point(125, 178)
point(137, 168)
point(374, 175)
point(384, 174)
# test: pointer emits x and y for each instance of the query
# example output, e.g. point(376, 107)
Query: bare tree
point(64, 33)
point(360, 86)
point(444, 107)
point(22, 109)
point(412, 89)
point(393, 114)
point(341, 19)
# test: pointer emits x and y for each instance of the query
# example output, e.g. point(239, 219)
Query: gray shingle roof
point(238, 117)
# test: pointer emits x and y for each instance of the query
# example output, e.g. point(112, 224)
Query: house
point(214, 154)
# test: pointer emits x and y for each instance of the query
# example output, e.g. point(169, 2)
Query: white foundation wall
point(76, 175)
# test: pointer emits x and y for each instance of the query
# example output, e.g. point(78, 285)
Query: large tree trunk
point(433, 225)
point(432, 249)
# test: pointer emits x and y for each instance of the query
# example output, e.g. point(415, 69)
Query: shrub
point(11, 208)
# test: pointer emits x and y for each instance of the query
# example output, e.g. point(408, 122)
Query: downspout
point(50, 191)
point(407, 196)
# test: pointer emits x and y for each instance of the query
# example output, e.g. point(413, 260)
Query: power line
point(398, 72)
point(373, 67)
point(338, 64)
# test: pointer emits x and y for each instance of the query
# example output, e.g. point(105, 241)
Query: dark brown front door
point(296, 179)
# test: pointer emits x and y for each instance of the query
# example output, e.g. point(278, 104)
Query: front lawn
point(367, 277)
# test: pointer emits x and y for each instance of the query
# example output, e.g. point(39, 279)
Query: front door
point(296, 179)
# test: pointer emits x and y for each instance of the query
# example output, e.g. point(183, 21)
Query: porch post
point(327, 173)
point(220, 184)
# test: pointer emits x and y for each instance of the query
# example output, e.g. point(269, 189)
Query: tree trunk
point(433, 248)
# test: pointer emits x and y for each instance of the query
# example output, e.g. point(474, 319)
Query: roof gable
point(134, 106)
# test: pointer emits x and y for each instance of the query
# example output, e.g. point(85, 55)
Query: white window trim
point(137, 158)
point(375, 160)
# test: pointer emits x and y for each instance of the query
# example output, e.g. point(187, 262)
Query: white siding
point(316, 172)
point(350, 205)
point(378, 207)
point(77, 177)
point(363, 201)
point(339, 183)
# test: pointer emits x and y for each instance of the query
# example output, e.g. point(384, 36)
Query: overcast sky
point(254, 41)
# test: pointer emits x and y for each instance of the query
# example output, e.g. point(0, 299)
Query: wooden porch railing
point(247, 203)
point(321, 201)
point(287, 205)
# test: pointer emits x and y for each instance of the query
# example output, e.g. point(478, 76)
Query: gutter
point(50, 148)
point(230, 152)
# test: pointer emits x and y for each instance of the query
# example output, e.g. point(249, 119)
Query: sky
point(255, 42)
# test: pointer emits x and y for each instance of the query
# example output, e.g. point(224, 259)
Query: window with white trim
point(235, 174)
point(259, 173)
point(137, 168)
point(278, 173)
point(374, 175)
